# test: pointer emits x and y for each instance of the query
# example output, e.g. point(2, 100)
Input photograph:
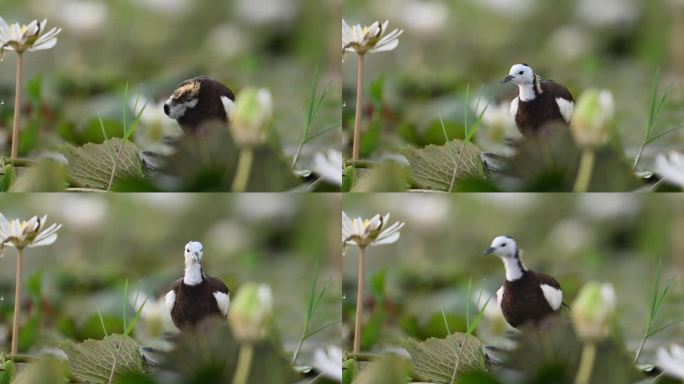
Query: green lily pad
point(435, 360)
point(434, 166)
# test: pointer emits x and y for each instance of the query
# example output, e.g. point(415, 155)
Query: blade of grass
point(654, 109)
point(313, 107)
point(657, 298)
point(321, 132)
point(125, 303)
point(313, 303)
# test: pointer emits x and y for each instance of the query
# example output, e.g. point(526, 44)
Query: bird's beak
point(488, 251)
point(507, 79)
point(196, 257)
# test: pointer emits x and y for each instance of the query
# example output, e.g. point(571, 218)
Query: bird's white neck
point(526, 92)
point(193, 274)
point(514, 268)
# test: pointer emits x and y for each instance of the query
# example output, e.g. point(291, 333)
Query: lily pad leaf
point(435, 360)
point(433, 166)
point(91, 165)
point(92, 361)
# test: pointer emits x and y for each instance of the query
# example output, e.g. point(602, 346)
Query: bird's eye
point(503, 245)
point(520, 73)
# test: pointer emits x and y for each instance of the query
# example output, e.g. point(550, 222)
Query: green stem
point(585, 170)
point(359, 300)
point(586, 363)
point(17, 106)
point(243, 169)
point(17, 301)
point(244, 364)
point(359, 113)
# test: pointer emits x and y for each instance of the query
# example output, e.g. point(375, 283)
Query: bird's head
point(198, 101)
point(503, 247)
point(193, 253)
point(186, 96)
point(520, 74)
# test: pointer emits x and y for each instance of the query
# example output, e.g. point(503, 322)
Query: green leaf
point(433, 167)
point(7, 371)
point(46, 176)
point(388, 370)
point(33, 89)
point(209, 354)
point(92, 360)
point(208, 163)
point(349, 369)
point(434, 360)
point(90, 166)
point(553, 354)
point(349, 178)
point(7, 177)
point(47, 370)
point(386, 177)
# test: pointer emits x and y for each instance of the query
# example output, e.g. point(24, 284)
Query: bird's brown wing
point(176, 284)
point(546, 279)
point(554, 88)
point(215, 285)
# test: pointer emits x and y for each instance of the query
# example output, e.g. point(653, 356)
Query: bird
point(196, 296)
point(539, 102)
point(526, 295)
point(197, 101)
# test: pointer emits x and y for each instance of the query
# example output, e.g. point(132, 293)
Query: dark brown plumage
point(523, 300)
point(196, 302)
point(535, 115)
point(197, 101)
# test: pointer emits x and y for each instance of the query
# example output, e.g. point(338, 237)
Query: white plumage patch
point(566, 107)
point(177, 110)
point(514, 107)
point(223, 302)
point(553, 296)
point(499, 296)
point(170, 300)
point(228, 105)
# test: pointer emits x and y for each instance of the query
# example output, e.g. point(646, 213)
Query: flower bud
point(251, 311)
point(251, 117)
point(592, 120)
point(593, 311)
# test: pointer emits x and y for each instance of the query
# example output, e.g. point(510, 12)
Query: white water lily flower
point(671, 361)
point(365, 232)
point(329, 166)
point(31, 37)
point(372, 38)
point(671, 167)
point(328, 362)
point(23, 234)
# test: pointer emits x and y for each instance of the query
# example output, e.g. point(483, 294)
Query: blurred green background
point(152, 45)
point(105, 240)
point(448, 46)
point(615, 238)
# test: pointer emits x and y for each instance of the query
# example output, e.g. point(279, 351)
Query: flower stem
point(359, 112)
point(244, 364)
point(586, 363)
point(17, 301)
point(585, 170)
point(359, 299)
point(243, 169)
point(17, 106)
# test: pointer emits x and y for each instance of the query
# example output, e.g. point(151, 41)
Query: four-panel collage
point(341, 191)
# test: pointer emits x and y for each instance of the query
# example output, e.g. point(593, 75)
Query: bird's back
point(533, 116)
point(523, 300)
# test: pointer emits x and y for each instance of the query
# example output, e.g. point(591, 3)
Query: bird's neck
point(193, 274)
point(529, 92)
point(515, 269)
